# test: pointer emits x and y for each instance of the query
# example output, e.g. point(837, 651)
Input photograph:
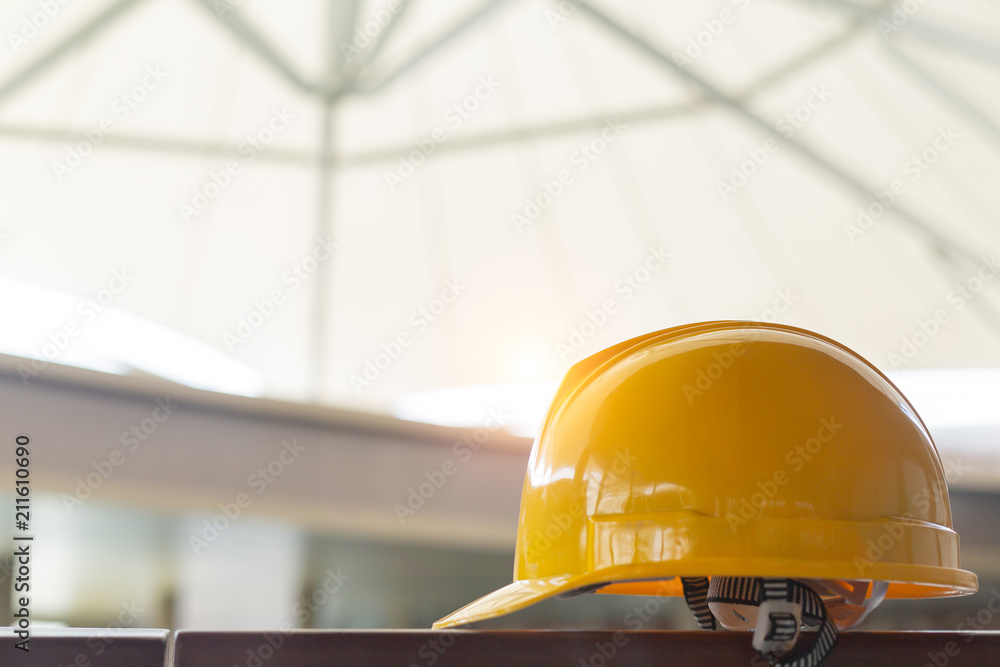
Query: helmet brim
point(511, 598)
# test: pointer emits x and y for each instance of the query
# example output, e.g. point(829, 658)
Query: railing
point(522, 648)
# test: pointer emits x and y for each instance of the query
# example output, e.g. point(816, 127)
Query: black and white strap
point(775, 621)
point(784, 605)
point(696, 594)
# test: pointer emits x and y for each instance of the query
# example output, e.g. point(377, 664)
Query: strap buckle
point(778, 624)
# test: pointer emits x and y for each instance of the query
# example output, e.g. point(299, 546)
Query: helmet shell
point(732, 449)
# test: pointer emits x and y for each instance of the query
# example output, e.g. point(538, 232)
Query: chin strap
point(784, 605)
point(696, 596)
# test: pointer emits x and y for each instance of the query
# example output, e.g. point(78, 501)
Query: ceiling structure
point(362, 201)
point(433, 208)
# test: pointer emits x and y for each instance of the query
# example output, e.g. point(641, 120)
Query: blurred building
point(266, 270)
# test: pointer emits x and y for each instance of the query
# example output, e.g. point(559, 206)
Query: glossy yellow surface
point(729, 448)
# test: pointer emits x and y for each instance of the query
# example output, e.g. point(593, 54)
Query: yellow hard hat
point(768, 460)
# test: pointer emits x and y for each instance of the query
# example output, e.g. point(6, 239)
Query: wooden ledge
point(86, 647)
point(530, 648)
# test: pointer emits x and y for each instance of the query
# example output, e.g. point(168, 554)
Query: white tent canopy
point(360, 201)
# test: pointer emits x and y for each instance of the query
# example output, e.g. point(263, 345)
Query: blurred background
point(268, 272)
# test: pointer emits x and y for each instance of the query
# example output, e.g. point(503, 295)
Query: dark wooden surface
point(86, 647)
point(415, 648)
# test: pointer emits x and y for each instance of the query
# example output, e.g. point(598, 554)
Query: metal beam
point(528, 133)
point(337, 20)
point(341, 21)
point(363, 158)
point(951, 252)
point(934, 33)
point(947, 94)
point(63, 48)
point(714, 93)
point(446, 36)
point(135, 142)
point(259, 46)
point(799, 61)
point(378, 42)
